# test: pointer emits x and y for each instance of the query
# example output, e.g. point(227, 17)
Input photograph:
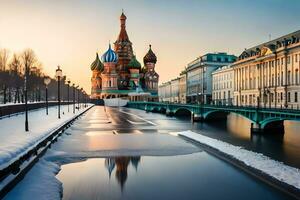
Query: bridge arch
point(215, 114)
point(155, 109)
point(275, 121)
point(182, 110)
point(222, 114)
point(162, 110)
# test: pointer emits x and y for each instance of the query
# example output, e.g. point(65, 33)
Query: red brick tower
point(123, 47)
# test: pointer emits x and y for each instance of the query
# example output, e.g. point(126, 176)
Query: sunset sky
point(70, 32)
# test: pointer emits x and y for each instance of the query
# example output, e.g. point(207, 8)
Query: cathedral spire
point(123, 33)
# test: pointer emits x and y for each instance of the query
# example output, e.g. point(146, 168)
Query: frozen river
point(129, 154)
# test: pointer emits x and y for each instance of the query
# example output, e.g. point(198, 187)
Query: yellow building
point(268, 74)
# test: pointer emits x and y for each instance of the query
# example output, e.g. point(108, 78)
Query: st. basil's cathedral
point(120, 74)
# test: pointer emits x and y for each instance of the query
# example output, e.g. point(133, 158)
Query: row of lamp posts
point(47, 80)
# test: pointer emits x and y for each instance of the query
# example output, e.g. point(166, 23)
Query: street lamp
point(73, 85)
point(68, 81)
point(26, 97)
point(77, 96)
point(58, 76)
point(81, 94)
point(47, 80)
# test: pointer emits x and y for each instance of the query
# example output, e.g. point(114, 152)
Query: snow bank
point(14, 141)
point(39, 183)
point(273, 168)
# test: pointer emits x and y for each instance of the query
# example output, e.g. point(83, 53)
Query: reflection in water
point(192, 176)
point(122, 165)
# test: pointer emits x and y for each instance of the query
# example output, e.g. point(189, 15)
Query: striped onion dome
point(134, 63)
point(109, 56)
point(97, 64)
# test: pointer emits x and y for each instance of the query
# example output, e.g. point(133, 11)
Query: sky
point(70, 32)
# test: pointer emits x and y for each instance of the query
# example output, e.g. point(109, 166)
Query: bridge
point(262, 119)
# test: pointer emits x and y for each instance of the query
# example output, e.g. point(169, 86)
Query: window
point(289, 97)
point(296, 76)
point(288, 59)
point(272, 97)
point(296, 97)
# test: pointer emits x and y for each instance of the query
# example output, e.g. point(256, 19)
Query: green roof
point(97, 64)
point(134, 63)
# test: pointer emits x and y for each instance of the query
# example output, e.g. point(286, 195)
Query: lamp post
point(73, 98)
point(58, 76)
point(68, 81)
point(77, 96)
point(81, 98)
point(26, 97)
point(47, 80)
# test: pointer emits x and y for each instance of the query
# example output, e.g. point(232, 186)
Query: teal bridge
point(262, 119)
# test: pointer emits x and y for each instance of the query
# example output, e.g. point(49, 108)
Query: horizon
point(59, 35)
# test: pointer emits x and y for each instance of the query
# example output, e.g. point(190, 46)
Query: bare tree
point(16, 77)
point(4, 54)
point(29, 61)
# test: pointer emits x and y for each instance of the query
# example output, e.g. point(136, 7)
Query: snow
point(14, 141)
point(12, 104)
point(273, 168)
point(42, 181)
point(115, 102)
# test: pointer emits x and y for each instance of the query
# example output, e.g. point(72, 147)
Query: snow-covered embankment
point(277, 170)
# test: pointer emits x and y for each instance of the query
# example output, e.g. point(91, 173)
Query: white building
point(268, 74)
point(182, 87)
point(199, 76)
point(164, 92)
point(175, 90)
point(223, 88)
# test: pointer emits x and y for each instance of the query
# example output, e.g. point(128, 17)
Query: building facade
point(165, 92)
point(223, 88)
point(120, 73)
point(267, 75)
point(182, 87)
point(199, 76)
point(175, 90)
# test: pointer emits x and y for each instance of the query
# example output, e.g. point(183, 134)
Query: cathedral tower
point(123, 47)
point(109, 75)
point(134, 67)
point(151, 77)
point(97, 68)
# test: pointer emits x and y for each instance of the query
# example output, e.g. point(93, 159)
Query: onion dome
point(134, 63)
point(150, 57)
point(97, 64)
point(109, 56)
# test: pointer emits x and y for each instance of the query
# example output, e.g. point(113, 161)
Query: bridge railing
point(266, 109)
